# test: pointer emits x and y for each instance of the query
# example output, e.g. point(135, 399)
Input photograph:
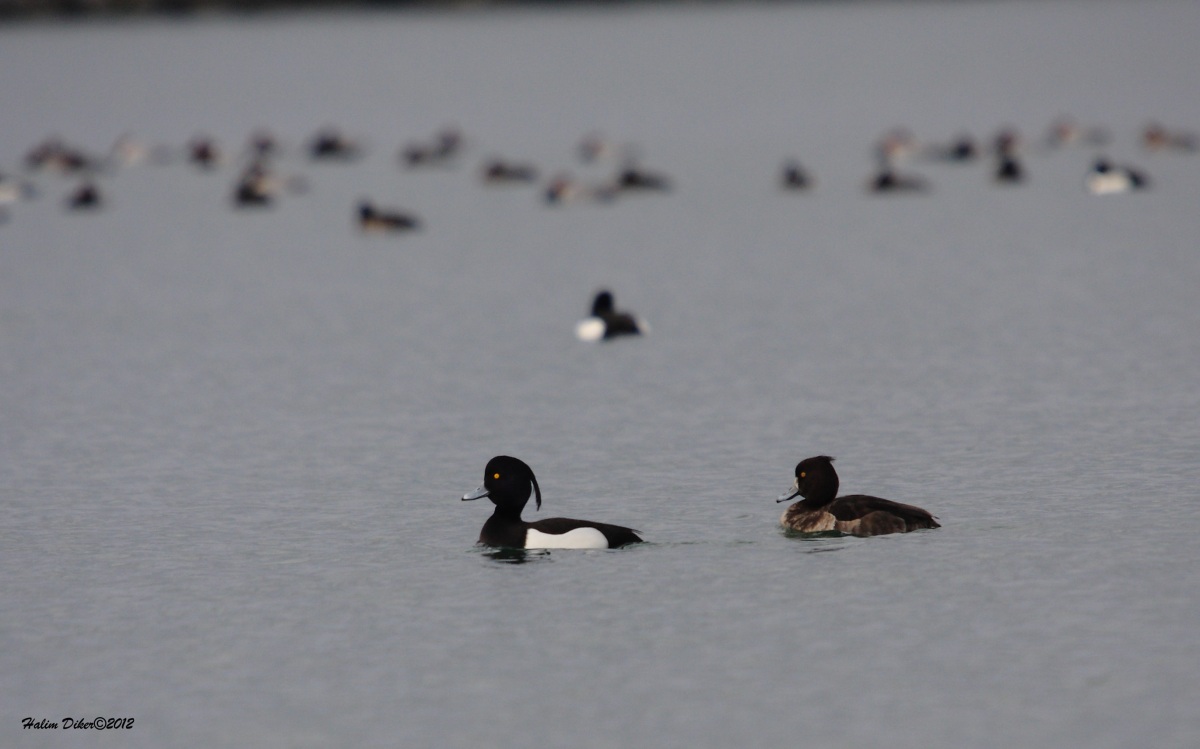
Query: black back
point(615, 323)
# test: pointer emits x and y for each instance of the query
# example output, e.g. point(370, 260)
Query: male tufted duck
point(822, 510)
point(1106, 178)
point(606, 322)
point(508, 483)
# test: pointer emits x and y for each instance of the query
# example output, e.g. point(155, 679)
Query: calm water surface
point(233, 443)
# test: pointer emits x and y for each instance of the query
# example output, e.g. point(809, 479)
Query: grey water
point(233, 443)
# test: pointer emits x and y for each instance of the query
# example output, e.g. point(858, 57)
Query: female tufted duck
point(606, 322)
point(1156, 137)
point(508, 482)
point(822, 510)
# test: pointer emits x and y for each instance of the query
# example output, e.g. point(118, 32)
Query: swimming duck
point(255, 188)
point(372, 220)
point(894, 147)
point(888, 180)
point(1156, 137)
point(508, 482)
point(263, 144)
point(203, 152)
point(795, 176)
point(593, 147)
point(959, 150)
point(330, 145)
point(634, 177)
point(1064, 131)
point(1008, 168)
point(499, 171)
point(1106, 178)
point(55, 155)
point(822, 510)
point(13, 190)
point(565, 189)
point(446, 144)
point(85, 197)
point(606, 322)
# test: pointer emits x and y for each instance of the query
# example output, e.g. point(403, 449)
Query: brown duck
point(822, 511)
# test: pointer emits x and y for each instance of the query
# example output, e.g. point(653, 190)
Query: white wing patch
point(579, 538)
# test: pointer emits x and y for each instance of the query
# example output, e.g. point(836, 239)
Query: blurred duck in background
point(1106, 178)
point(373, 220)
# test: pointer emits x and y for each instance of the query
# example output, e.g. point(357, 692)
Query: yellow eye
point(495, 475)
point(803, 474)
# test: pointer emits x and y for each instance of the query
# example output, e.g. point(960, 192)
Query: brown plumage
point(822, 511)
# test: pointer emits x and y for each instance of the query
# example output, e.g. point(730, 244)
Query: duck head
point(816, 481)
point(508, 482)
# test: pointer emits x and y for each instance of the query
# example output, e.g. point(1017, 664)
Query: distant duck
point(1106, 178)
point(263, 144)
point(127, 151)
point(606, 322)
point(822, 511)
point(85, 197)
point(53, 154)
point(508, 482)
point(498, 172)
point(1064, 131)
point(1156, 137)
point(372, 220)
point(203, 152)
point(634, 177)
point(794, 176)
point(563, 189)
point(447, 143)
point(1008, 167)
point(959, 150)
point(255, 187)
point(15, 190)
point(594, 147)
point(888, 180)
point(896, 145)
point(330, 145)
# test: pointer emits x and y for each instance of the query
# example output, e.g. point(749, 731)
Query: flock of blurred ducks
point(261, 181)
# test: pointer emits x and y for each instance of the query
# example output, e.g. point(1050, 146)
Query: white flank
point(580, 538)
point(590, 329)
point(1112, 183)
